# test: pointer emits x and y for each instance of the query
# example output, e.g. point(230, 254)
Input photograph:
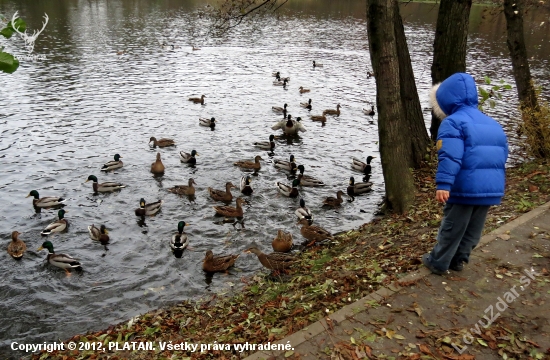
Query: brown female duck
point(220, 195)
point(161, 142)
point(157, 167)
point(250, 164)
point(16, 247)
point(332, 111)
point(184, 189)
point(198, 100)
point(313, 233)
point(277, 261)
point(229, 211)
point(216, 263)
point(334, 201)
point(282, 242)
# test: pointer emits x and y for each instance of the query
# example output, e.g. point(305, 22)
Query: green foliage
point(8, 63)
point(8, 31)
point(495, 91)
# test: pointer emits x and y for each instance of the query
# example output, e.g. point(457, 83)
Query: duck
point(245, 164)
point(282, 242)
point(369, 74)
point(62, 261)
point(220, 195)
point(278, 109)
point(289, 191)
point(313, 233)
point(276, 74)
point(280, 82)
point(334, 201)
point(197, 100)
point(364, 167)
point(357, 189)
point(157, 167)
point(112, 165)
point(188, 158)
point(306, 105)
point(217, 263)
point(306, 180)
point(332, 111)
point(16, 248)
point(317, 64)
point(148, 209)
point(211, 123)
point(229, 211)
point(266, 145)
point(100, 234)
point(245, 185)
point(45, 202)
point(179, 240)
point(289, 126)
point(302, 90)
point(286, 165)
point(193, 48)
point(303, 212)
point(58, 225)
point(370, 112)
point(164, 142)
point(277, 261)
point(321, 118)
point(188, 189)
point(104, 187)
point(282, 78)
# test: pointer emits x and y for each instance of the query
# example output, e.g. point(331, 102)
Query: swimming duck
point(197, 100)
point(104, 187)
point(278, 109)
point(16, 247)
point(215, 263)
point(58, 225)
point(302, 90)
point(276, 74)
point(306, 180)
point(62, 261)
point(282, 78)
point(193, 48)
point(179, 241)
point(211, 123)
point(364, 167)
point(266, 145)
point(313, 233)
point(245, 185)
point(290, 191)
point(303, 212)
point(220, 195)
point(286, 165)
point(280, 82)
point(277, 261)
point(332, 111)
point(290, 127)
point(188, 158)
point(370, 112)
point(100, 234)
point(112, 165)
point(148, 209)
point(157, 167)
point(321, 118)
point(283, 242)
point(317, 64)
point(357, 189)
point(306, 105)
point(249, 164)
point(48, 201)
point(164, 142)
point(334, 201)
point(369, 74)
point(229, 211)
point(188, 189)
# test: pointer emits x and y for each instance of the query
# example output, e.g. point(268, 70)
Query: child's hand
point(442, 196)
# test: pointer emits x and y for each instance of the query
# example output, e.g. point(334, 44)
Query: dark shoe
point(429, 266)
point(457, 267)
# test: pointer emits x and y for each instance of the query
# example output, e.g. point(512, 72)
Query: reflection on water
point(108, 85)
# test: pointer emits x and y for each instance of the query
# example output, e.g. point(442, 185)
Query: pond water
point(62, 117)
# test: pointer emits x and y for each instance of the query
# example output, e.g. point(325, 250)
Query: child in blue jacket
point(472, 150)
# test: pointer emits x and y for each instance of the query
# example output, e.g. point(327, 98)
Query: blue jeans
point(458, 235)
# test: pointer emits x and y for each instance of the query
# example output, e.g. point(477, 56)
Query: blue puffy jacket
point(472, 147)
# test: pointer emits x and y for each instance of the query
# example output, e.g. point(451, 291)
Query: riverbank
point(326, 278)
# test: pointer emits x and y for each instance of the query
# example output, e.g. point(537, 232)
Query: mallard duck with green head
point(266, 145)
point(189, 158)
point(276, 261)
point(364, 167)
point(220, 195)
point(179, 240)
point(211, 123)
point(286, 165)
point(112, 165)
point(355, 189)
point(216, 263)
point(303, 212)
point(289, 191)
point(100, 234)
point(306, 180)
point(62, 261)
point(45, 202)
point(246, 188)
point(148, 209)
point(279, 110)
point(104, 187)
point(282, 242)
point(313, 233)
point(58, 225)
point(16, 248)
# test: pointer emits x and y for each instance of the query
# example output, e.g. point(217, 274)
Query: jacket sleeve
point(450, 152)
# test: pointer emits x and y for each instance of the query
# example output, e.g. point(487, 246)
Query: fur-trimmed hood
point(456, 91)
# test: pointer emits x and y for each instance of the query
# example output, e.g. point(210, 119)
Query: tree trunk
point(418, 136)
point(451, 35)
point(392, 127)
